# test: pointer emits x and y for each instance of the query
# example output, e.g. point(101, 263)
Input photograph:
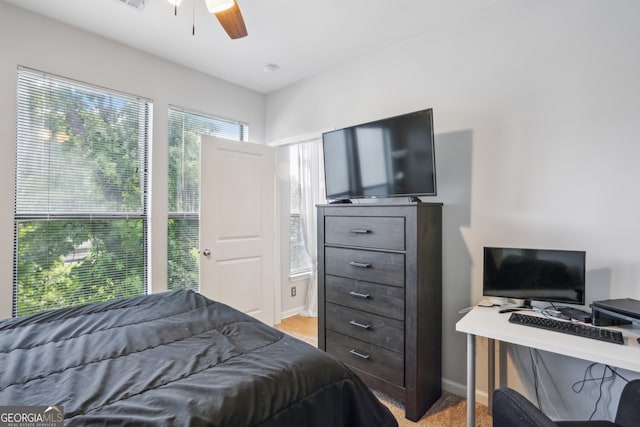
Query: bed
point(176, 359)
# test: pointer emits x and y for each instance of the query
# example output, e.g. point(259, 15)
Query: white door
point(237, 236)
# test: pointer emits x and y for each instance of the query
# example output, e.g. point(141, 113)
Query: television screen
point(535, 274)
point(385, 158)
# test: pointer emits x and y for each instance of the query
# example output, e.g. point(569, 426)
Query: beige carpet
point(449, 411)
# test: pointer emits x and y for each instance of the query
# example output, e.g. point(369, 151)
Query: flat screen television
point(534, 274)
point(391, 157)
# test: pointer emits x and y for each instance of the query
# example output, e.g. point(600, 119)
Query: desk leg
point(491, 380)
point(471, 380)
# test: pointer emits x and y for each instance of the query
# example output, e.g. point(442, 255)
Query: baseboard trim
point(461, 390)
point(292, 312)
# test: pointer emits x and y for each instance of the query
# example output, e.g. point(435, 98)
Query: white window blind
point(81, 194)
point(185, 130)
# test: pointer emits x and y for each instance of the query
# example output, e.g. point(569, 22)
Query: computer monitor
point(534, 274)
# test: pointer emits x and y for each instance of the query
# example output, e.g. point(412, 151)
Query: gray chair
point(511, 409)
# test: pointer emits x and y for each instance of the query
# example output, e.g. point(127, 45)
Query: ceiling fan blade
point(232, 22)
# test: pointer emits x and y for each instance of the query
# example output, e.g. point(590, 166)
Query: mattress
point(176, 359)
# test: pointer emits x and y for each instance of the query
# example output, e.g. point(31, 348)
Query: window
point(299, 260)
point(81, 210)
point(185, 129)
point(306, 174)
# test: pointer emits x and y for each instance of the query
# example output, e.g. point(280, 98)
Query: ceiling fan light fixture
point(215, 6)
point(226, 11)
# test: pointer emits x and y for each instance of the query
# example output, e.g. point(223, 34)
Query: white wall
point(45, 45)
point(537, 120)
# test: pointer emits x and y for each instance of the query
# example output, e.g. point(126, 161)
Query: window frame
point(294, 212)
point(144, 108)
point(178, 215)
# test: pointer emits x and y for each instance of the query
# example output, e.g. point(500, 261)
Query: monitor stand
point(526, 304)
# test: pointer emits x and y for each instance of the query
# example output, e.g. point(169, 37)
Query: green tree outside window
point(81, 194)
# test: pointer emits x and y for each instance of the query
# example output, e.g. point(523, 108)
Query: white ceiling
point(303, 37)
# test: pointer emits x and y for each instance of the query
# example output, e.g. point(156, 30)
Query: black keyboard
point(572, 328)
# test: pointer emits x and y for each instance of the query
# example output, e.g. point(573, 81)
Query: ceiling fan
point(228, 14)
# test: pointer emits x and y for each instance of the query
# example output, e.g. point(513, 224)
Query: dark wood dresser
point(380, 296)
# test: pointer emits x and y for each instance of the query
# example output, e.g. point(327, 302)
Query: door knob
point(206, 252)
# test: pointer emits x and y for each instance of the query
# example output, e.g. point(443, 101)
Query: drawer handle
point(360, 231)
point(359, 325)
point(358, 294)
point(357, 353)
point(359, 264)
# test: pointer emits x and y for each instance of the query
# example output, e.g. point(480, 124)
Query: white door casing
point(237, 225)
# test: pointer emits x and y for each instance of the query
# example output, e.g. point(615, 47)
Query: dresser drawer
point(380, 299)
point(378, 330)
point(370, 266)
point(377, 361)
point(367, 232)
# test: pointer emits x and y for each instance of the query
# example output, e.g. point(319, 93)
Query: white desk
point(488, 322)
